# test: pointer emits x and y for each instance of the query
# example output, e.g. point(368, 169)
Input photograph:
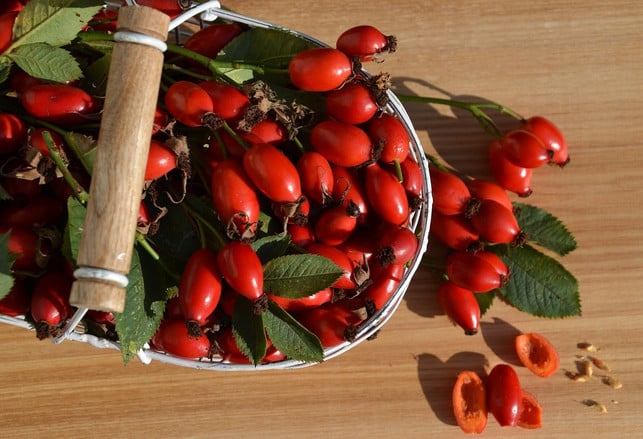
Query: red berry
point(460, 305)
point(504, 394)
point(365, 41)
point(497, 224)
point(468, 270)
point(524, 149)
point(551, 137)
point(511, 177)
point(319, 69)
point(450, 194)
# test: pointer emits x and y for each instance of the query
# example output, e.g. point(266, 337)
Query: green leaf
point(75, 222)
point(248, 330)
point(176, 239)
point(270, 47)
point(290, 337)
point(4, 195)
point(95, 76)
point(544, 229)
point(270, 247)
point(43, 61)
point(144, 306)
point(6, 260)
point(84, 148)
point(485, 300)
point(56, 22)
point(5, 68)
point(201, 209)
point(299, 275)
point(539, 285)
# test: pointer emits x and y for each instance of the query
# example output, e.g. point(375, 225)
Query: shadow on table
point(456, 135)
point(437, 379)
point(499, 335)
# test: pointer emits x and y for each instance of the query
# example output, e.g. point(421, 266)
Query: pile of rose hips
point(348, 195)
point(470, 216)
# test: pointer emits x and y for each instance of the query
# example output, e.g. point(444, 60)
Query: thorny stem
point(68, 137)
point(234, 135)
point(218, 67)
point(142, 241)
point(475, 108)
point(79, 192)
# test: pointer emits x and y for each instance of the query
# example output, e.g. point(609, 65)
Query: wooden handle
point(121, 155)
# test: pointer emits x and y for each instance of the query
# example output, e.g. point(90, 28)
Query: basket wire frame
point(198, 15)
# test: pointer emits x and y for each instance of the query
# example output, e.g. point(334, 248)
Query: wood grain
point(122, 149)
point(581, 65)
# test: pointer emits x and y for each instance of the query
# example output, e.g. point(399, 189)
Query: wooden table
point(581, 64)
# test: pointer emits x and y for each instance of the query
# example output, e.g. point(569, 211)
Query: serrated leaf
point(485, 300)
point(290, 337)
point(271, 47)
point(76, 212)
point(176, 239)
point(56, 22)
point(299, 275)
point(544, 229)
point(5, 68)
point(270, 247)
point(50, 63)
point(539, 285)
point(6, 260)
point(144, 306)
point(248, 330)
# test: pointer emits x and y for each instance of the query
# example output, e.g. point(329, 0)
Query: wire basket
point(199, 15)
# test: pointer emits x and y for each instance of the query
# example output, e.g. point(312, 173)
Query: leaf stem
point(204, 224)
point(79, 192)
point(477, 109)
point(218, 67)
point(142, 241)
point(68, 137)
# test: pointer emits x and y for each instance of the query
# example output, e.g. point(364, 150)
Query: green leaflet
point(40, 29)
point(270, 47)
point(41, 60)
point(6, 260)
point(544, 229)
point(290, 337)
point(56, 22)
point(248, 330)
point(5, 68)
point(147, 294)
point(485, 300)
point(75, 222)
point(299, 275)
point(539, 285)
point(271, 246)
